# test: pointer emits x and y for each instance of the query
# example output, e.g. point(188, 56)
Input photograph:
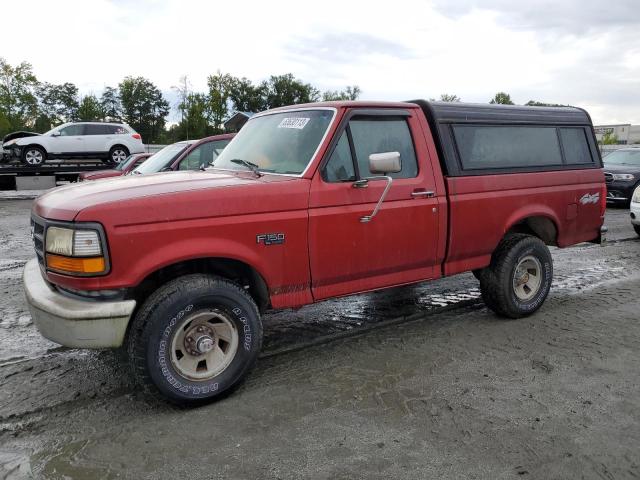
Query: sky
point(578, 52)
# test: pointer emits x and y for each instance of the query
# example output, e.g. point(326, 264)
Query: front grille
point(608, 177)
point(37, 233)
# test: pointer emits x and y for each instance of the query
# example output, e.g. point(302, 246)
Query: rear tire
point(117, 155)
point(194, 339)
point(517, 281)
point(34, 156)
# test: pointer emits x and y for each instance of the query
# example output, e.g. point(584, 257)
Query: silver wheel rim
point(118, 155)
point(34, 157)
point(527, 278)
point(203, 345)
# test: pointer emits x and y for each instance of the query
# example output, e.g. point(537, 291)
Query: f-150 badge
point(270, 238)
point(590, 198)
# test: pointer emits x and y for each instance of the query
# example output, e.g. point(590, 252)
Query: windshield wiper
point(251, 166)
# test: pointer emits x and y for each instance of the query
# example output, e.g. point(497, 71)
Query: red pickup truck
point(307, 203)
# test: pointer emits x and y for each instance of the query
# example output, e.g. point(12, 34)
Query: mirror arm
point(368, 218)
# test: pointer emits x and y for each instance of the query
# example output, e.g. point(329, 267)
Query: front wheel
point(34, 156)
point(517, 281)
point(195, 339)
point(637, 229)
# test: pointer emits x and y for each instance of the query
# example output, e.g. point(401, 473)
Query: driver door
point(71, 141)
point(399, 244)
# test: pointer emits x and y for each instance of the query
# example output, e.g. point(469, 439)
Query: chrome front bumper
point(71, 322)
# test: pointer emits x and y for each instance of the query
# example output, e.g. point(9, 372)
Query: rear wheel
point(517, 281)
point(195, 339)
point(34, 156)
point(118, 154)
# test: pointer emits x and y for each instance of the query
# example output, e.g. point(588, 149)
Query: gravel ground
point(416, 382)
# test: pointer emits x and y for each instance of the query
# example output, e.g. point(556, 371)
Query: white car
point(635, 210)
point(112, 142)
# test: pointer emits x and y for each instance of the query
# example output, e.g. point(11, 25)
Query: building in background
point(626, 134)
point(237, 121)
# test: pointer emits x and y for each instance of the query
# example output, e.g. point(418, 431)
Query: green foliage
point(195, 119)
point(446, 97)
point(143, 107)
point(218, 98)
point(56, 104)
point(245, 96)
point(18, 102)
point(534, 103)
point(502, 98)
point(110, 105)
point(281, 90)
point(609, 138)
point(349, 93)
point(89, 109)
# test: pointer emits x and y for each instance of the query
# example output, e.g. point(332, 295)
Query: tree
point(18, 103)
point(218, 98)
point(143, 107)
point(182, 89)
point(56, 104)
point(281, 90)
point(349, 93)
point(110, 105)
point(245, 96)
point(446, 97)
point(89, 109)
point(502, 98)
point(609, 138)
point(534, 103)
point(195, 119)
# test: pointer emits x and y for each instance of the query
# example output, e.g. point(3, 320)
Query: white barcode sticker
point(294, 122)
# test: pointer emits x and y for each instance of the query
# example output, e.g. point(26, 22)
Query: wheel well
point(34, 145)
point(241, 273)
point(118, 145)
point(542, 227)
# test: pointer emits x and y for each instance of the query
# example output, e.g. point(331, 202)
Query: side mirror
point(55, 134)
point(387, 162)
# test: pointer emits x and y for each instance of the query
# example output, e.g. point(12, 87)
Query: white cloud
point(563, 52)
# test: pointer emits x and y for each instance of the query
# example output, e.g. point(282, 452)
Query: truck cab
point(306, 203)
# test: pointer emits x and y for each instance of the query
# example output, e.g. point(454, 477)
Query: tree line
point(501, 98)
point(29, 104)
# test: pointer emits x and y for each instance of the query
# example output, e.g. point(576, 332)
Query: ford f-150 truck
point(307, 203)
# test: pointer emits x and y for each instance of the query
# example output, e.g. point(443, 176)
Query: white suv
point(112, 142)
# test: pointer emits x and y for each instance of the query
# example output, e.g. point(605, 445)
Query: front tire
point(194, 339)
point(117, 155)
point(518, 280)
point(637, 229)
point(34, 156)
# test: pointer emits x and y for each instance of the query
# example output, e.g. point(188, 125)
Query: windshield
point(162, 158)
point(130, 160)
point(623, 157)
point(277, 143)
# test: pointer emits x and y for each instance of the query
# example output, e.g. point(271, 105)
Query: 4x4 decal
point(590, 198)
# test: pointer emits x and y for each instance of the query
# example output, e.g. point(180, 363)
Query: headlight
point(10, 142)
point(74, 251)
point(636, 196)
point(624, 177)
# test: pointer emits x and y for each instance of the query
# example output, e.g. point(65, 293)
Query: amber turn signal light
point(75, 265)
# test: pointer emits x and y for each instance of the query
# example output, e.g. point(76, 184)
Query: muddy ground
point(416, 382)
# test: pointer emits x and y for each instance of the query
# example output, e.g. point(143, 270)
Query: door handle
point(422, 193)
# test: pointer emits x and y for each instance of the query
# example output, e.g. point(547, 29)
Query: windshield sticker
point(295, 122)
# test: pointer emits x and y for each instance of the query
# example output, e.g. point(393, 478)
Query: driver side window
point(339, 168)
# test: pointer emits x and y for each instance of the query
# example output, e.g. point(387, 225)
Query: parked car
point(622, 174)
point(634, 210)
point(123, 168)
point(111, 142)
point(186, 155)
point(307, 203)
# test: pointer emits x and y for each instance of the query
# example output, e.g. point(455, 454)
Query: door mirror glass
point(383, 163)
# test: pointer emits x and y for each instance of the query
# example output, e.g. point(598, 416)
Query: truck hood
point(65, 203)
point(14, 135)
